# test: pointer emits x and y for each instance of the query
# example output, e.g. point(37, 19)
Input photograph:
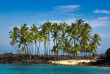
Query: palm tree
point(55, 49)
point(39, 38)
point(34, 31)
point(35, 40)
point(63, 27)
point(14, 36)
point(61, 39)
point(93, 45)
point(79, 25)
point(85, 36)
point(67, 46)
point(23, 32)
point(73, 34)
point(45, 39)
point(92, 48)
point(78, 48)
point(28, 41)
point(47, 27)
point(55, 32)
point(95, 39)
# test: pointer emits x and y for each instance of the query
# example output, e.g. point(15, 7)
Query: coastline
point(98, 60)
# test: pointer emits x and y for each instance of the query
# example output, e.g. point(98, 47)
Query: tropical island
point(73, 45)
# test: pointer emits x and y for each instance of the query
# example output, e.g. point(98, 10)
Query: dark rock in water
point(101, 62)
point(82, 64)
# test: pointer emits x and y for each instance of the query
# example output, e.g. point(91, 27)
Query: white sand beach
point(71, 62)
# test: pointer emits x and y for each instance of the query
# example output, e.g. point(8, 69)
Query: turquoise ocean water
point(50, 69)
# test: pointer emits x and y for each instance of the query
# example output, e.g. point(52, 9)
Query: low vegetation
point(108, 53)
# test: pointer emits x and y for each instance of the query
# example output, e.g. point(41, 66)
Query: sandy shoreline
point(71, 62)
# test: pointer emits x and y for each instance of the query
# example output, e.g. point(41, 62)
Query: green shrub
point(107, 53)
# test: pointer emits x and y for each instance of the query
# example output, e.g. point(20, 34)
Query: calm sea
point(50, 69)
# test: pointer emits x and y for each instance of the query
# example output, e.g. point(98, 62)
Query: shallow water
point(50, 69)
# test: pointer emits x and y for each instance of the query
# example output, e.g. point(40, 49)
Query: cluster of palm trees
point(70, 40)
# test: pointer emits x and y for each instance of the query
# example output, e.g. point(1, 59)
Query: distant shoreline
point(98, 60)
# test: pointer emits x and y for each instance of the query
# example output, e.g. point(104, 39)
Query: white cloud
point(67, 7)
point(97, 22)
point(71, 20)
point(68, 21)
point(74, 14)
point(100, 21)
point(99, 47)
point(102, 11)
point(39, 29)
point(105, 35)
point(103, 18)
point(11, 27)
point(53, 21)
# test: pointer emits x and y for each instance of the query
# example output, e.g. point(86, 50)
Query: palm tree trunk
point(47, 49)
point(16, 48)
point(49, 42)
point(29, 49)
point(74, 45)
point(35, 47)
point(66, 51)
point(25, 48)
point(63, 53)
point(32, 48)
point(19, 51)
point(38, 48)
point(56, 44)
point(44, 48)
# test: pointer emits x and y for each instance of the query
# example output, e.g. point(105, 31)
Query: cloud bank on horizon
point(14, 13)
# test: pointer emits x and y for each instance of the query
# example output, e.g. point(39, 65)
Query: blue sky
point(17, 12)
